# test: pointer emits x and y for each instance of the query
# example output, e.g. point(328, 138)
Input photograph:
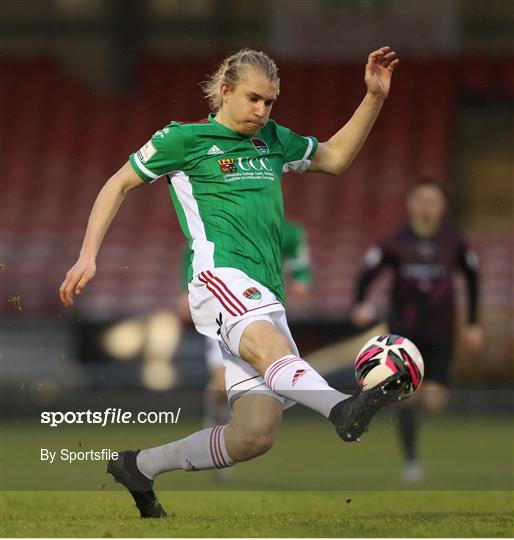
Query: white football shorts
point(223, 302)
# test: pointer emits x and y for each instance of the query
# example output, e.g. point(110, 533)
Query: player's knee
point(252, 442)
point(262, 343)
point(253, 426)
point(256, 444)
point(436, 405)
point(435, 400)
point(267, 353)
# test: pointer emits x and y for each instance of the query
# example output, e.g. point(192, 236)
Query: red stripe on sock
point(212, 449)
point(277, 368)
point(277, 372)
point(218, 439)
point(221, 461)
point(278, 364)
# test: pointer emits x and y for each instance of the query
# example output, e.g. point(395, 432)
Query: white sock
point(294, 378)
point(202, 450)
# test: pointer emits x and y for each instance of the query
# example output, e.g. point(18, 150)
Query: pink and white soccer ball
point(383, 356)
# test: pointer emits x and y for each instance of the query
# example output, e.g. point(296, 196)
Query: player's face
point(247, 106)
point(426, 205)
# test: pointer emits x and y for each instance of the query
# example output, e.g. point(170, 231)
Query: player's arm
point(162, 154)
point(106, 206)
point(336, 155)
point(377, 257)
point(473, 333)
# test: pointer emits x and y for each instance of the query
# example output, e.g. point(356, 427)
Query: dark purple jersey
point(422, 305)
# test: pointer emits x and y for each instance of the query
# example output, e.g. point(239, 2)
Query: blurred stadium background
point(86, 82)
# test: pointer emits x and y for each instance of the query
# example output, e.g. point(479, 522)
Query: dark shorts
point(437, 358)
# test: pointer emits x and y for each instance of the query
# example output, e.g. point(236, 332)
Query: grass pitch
point(262, 514)
point(309, 485)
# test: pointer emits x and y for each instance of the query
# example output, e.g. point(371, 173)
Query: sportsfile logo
point(111, 415)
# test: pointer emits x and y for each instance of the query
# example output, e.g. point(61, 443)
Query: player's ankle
point(335, 413)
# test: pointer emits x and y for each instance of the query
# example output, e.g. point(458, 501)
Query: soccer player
point(423, 254)
point(295, 253)
point(224, 175)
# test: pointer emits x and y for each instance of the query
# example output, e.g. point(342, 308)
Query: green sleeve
point(162, 154)
point(295, 252)
point(297, 150)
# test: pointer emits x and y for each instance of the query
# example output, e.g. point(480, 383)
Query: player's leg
point(432, 396)
point(216, 409)
point(243, 310)
point(253, 426)
point(407, 430)
point(267, 346)
point(250, 432)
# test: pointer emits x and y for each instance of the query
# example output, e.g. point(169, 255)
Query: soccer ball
point(383, 356)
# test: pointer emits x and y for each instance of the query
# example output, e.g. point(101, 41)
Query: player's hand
point(76, 280)
point(379, 69)
point(363, 314)
point(473, 338)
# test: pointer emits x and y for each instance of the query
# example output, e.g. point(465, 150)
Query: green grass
point(300, 488)
point(254, 514)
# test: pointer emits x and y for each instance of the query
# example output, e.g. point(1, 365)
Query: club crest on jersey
point(227, 166)
point(252, 293)
point(260, 146)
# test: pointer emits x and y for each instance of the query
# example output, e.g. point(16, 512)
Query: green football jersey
point(295, 254)
point(226, 189)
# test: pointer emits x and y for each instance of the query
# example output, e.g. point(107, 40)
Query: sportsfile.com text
point(111, 415)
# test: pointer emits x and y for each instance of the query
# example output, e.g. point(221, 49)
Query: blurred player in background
point(423, 254)
point(295, 252)
point(224, 175)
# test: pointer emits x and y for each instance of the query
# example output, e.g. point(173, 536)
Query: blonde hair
point(233, 69)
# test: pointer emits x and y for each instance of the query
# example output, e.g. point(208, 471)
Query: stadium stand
point(63, 139)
